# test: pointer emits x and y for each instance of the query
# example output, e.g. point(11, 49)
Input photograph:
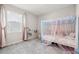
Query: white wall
point(67, 11)
point(0, 29)
point(31, 21)
point(77, 26)
point(77, 10)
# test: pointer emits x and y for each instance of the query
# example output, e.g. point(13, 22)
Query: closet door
point(14, 27)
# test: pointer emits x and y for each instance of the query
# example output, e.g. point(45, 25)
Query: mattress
point(68, 41)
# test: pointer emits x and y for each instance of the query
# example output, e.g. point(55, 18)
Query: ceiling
point(40, 9)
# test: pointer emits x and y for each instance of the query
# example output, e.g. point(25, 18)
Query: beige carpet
point(32, 47)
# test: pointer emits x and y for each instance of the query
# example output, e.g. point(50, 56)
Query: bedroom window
point(14, 22)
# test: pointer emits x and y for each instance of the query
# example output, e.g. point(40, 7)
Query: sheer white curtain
point(3, 25)
point(24, 27)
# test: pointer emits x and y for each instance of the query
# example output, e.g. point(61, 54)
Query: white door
point(14, 27)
